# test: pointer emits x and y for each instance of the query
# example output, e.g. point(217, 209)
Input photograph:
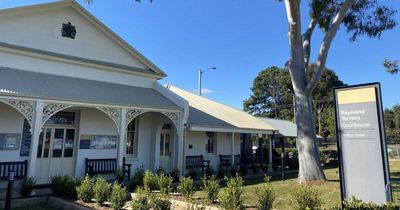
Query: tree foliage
point(392, 67)
point(272, 96)
point(392, 122)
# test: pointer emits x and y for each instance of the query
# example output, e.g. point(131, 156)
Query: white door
point(56, 153)
point(165, 150)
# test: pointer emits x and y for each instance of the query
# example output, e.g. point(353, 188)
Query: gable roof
point(92, 19)
point(209, 115)
point(286, 128)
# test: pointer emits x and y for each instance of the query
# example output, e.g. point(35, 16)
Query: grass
point(329, 190)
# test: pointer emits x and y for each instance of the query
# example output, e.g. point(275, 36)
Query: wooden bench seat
point(226, 160)
point(20, 168)
point(105, 166)
point(197, 161)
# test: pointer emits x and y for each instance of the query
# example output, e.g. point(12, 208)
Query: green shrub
point(85, 189)
point(70, 186)
point(209, 171)
point(120, 174)
point(231, 197)
point(118, 196)
point(243, 169)
point(136, 179)
point(161, 202)
point(28, 184)
point(186, 187)
point(175, 175)
point(150, 181)
point(192, 173)
point(305, 197)
point(164, 183)
point(210, 188)
point(142, 200)
point(265, 195)
point(101, 190)
point(220, 171)
point(64, 185)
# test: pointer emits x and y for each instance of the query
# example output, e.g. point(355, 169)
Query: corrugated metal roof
point(285, 127)
point(46, 86)
point(209, 113)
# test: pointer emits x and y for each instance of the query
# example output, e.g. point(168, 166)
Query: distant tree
point(271, 89)
point(392, 122)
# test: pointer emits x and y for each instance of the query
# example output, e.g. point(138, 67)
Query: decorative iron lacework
point(25, 107)
point(174, 117)
point(113, 113)
point(50, 109)
point(132, 114)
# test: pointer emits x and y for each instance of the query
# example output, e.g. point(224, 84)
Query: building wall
point(42, 30)
point(11, 121)
point(223, 146)
point(94, 122)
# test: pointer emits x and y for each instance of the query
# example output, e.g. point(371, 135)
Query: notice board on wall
point(26, 139)
point(361, 143)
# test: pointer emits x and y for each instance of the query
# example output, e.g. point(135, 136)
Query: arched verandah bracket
point(133, 113)
point(26, 108)
point(51, 109)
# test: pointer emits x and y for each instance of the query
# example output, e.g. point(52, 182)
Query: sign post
point(361, 142)
point(11, 177)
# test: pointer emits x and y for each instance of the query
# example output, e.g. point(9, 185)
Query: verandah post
point(36, 129)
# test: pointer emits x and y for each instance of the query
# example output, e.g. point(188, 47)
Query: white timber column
point(36, 129)
point(270, 153)
point(233, 149)
point(181, 146)
point(122, 136)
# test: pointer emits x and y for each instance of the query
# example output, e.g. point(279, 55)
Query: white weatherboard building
point(71, 90)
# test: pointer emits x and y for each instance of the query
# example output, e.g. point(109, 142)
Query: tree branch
point(326, 43)
point(296, 44)
point(307, 41)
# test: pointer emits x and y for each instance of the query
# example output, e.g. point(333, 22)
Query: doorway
point(165, 147)
point(56, 153)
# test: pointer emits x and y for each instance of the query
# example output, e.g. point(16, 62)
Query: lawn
point(329, 190)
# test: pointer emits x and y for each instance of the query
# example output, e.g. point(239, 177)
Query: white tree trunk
point(309, 161)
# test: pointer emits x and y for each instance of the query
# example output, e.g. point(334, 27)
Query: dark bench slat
point(226, 160)
point(20, 168)
point(197, 162)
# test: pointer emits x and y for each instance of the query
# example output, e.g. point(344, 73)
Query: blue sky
point(240, 38)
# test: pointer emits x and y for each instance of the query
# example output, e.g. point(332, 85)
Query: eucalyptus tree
point(359, 17)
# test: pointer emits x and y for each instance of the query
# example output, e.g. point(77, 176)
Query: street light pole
point(200, 78)
point(199, 85)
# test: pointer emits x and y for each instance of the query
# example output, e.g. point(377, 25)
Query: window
point(210, 142)
point(62, 118)
point(9, 141)
point(132, 134)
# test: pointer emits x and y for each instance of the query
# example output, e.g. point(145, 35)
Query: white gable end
point(41, 29)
